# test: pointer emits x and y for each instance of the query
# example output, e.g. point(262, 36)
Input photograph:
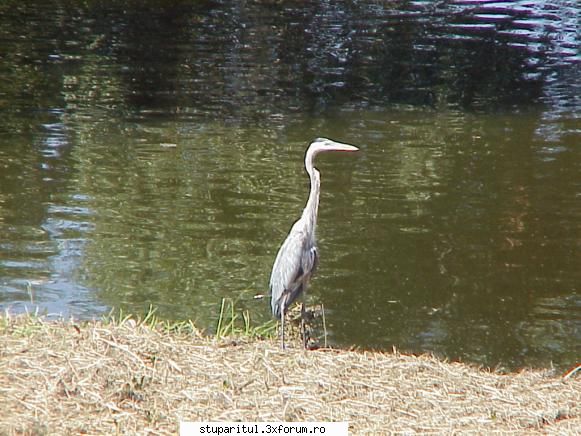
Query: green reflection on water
point(441, 236)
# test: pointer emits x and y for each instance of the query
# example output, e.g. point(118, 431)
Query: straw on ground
point(134, 377)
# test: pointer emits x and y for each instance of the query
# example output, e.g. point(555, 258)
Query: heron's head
point(321, 145)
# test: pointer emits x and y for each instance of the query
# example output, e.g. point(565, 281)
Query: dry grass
point(127, 377)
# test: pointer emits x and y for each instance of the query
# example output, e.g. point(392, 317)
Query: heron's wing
point(293, 266)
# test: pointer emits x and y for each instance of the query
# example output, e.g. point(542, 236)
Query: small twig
point(324, 325)
point(124, 349)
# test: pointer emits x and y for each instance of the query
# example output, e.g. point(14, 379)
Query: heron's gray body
point(298, 257)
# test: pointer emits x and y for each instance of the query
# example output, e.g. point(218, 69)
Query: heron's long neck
point(312, 207)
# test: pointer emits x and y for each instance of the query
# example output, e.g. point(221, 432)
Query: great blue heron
point(297, 257)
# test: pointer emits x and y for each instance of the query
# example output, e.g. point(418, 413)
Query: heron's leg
point(282, 315)
point(304, 325)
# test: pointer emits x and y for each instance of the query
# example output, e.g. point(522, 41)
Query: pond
point(152, 154)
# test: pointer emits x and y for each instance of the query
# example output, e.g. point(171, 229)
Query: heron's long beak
point(339, 146)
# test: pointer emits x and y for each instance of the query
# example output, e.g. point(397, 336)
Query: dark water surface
point(152, 154)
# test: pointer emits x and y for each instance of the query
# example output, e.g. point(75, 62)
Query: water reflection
point(154, 156)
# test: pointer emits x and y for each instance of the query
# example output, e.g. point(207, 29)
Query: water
point(154, 156)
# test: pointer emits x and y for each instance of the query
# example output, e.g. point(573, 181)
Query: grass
point(150, 320)
point(237, 324)
point(232, 323)
point(142, 375)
